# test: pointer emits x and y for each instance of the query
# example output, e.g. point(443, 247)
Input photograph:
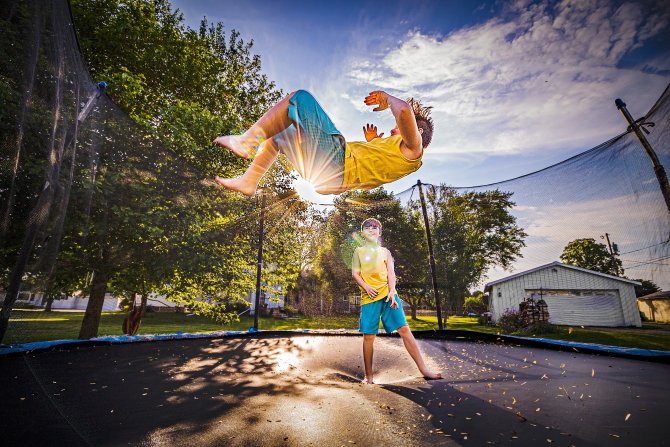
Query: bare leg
point(413, 349)
point(273, 122)
point(248, 182)
point(368, 351)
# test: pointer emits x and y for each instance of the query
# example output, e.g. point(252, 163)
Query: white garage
point(574, 296)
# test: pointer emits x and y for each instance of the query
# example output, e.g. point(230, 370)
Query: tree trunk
point(91, 321)
point(445, 310)
point(143, 304)
point(49, 302)
point(413, 307)
point(131, 323)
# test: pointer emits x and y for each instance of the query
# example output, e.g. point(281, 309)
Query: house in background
point(268, 300)
point(656, 306)
point(574, 295)
point(77, 301)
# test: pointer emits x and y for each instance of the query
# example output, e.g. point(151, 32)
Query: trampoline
point(90, 196)
point(305, 389)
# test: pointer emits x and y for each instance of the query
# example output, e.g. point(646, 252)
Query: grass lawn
point(35, 325)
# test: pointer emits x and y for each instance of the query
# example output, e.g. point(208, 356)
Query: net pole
point(259, 263)
point(658, 167)
point(431, 257)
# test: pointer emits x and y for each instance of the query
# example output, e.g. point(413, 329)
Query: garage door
point(589, 310)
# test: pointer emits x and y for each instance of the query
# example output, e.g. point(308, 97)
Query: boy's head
point(423, 120)
point(371, 222)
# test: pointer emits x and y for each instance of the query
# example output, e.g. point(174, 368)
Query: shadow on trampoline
point(306, 389)
point(110, 395)
point(464, 419)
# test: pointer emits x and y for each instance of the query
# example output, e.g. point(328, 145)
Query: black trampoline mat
point(307, 390)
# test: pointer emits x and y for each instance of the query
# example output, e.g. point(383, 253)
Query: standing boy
point(372, 268)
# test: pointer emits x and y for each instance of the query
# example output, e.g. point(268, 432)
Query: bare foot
point(237, 184)
point(429, 375)
point(241, 146)
point(369, 381)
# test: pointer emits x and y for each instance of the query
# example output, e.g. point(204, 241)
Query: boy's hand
point(371, 291)
point(377, 97)
point(391, 298)
point(370, 132)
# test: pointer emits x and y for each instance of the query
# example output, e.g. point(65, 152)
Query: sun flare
point(307, 193)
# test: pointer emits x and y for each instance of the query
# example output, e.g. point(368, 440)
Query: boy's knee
point(302, 93)
point(369, 337)
point(404, 330)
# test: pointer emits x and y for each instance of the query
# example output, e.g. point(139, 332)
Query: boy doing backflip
point(372, 268)
point(298, 127)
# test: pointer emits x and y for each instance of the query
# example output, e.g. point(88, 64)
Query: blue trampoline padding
point(118, 339)
point(598, 347)
point(41, 345)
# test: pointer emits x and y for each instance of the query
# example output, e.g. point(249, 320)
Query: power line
point(647, 260)
point(644, 248)
point(650, 262)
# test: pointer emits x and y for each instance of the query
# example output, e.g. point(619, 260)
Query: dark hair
point(423, 120)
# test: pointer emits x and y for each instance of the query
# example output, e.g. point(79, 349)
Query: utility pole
point(658, 167)
point(609, 246)
point(431, 257)
point(259, 263)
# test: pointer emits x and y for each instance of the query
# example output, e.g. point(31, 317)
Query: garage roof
point(558, 264)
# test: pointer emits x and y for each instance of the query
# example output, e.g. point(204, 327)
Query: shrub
point(290, 310)
point(484, 319)
point(474, 304)
point(540, 328)
point(23, 306)
point(510, 321)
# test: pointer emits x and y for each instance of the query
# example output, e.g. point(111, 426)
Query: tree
point(401, 234)
point(139, 215)
point(472, 232)
point(184, 86)
point(410, 254)
point(31, 188)
point(647, 288)
point(305, 295)
point(475, 304)
point(592, 255)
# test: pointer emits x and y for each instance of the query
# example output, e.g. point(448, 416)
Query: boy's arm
point(390, 266)
point(356, 273)
point(404, 117)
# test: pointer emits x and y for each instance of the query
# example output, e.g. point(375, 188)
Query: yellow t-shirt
point(372, 262)
point(375, 163)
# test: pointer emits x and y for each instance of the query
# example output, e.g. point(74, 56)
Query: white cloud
point(544, 79)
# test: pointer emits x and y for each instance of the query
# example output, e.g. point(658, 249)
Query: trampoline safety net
point(95, 205)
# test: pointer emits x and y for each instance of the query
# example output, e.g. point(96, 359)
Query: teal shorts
point(313, 145)
point(392, 319)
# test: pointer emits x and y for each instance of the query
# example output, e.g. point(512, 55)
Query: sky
point(515, 86)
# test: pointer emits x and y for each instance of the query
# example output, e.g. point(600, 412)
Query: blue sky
point(515, 86)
